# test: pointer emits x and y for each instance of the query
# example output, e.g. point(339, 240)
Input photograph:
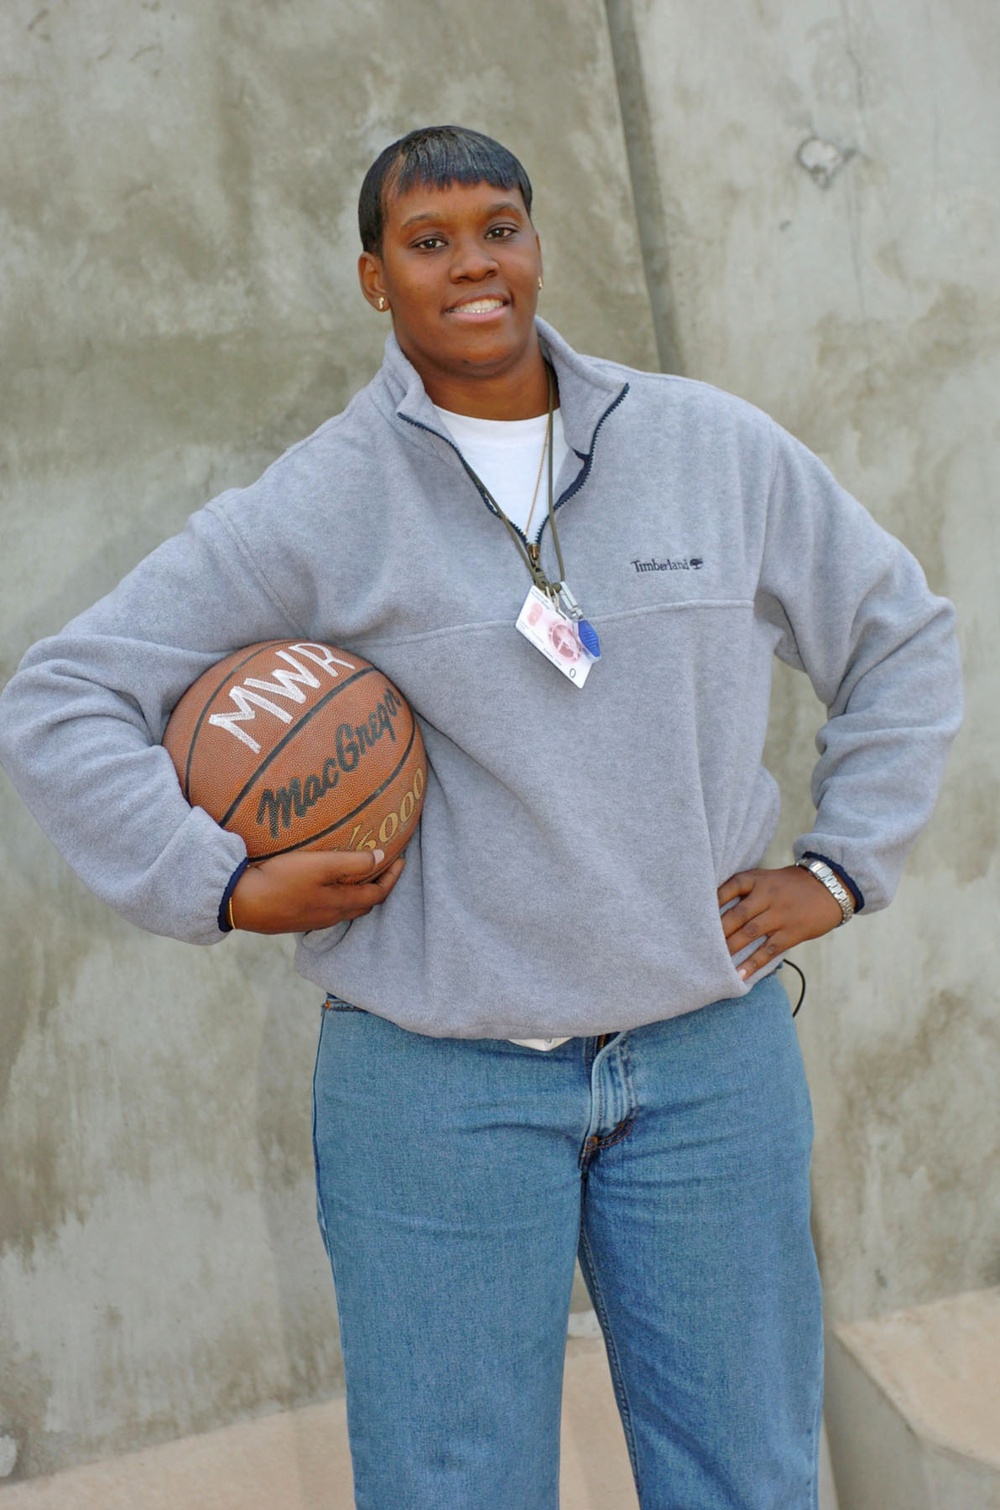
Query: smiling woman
point(587, 876)
point(459, 268)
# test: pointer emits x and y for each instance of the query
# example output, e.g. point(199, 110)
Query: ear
point(371, 279)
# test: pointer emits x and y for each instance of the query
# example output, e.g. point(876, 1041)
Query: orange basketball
point(295, 745)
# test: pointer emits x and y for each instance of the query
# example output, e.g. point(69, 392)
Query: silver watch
point(834, 886)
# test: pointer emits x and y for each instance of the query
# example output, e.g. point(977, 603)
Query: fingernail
point(743, 972)
point(378, 855)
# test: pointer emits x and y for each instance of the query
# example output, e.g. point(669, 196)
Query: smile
point(478, 307)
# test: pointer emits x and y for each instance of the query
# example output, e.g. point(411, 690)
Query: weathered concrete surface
point(858, 302)
point(299, 1460)
point(917, 1395)
point(828, 180)
point(177, 261)
point(179, 303)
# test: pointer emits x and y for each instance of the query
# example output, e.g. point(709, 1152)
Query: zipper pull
point(533, 551)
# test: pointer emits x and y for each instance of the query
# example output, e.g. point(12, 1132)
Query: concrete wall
point(177, 259)
point(863, 311)
point(816, 189)
point(820, 184)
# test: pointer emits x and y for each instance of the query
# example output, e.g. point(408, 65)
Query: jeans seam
point(320, 1213)
point(594, 1144)
point(614, 1363)
point(814, 1432)
point(599, 1088)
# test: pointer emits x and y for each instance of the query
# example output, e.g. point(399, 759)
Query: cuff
point(842, 875)
point(225, 926)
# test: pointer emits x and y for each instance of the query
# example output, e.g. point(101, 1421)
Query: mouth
point(479, 308)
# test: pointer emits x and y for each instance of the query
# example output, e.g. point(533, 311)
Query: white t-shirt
point(508, 454)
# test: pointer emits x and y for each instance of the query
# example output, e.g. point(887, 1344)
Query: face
point(459, 270)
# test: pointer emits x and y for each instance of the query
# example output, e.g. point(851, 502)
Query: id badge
point(555, 635)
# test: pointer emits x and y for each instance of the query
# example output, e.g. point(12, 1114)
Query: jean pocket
point(335, 1004)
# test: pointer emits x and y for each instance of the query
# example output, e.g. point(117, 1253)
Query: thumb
point(335, 866)
point(321, 867)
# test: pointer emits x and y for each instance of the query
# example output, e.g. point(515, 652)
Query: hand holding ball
point(299, 747)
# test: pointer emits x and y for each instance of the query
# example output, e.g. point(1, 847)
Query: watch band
point(834, 886)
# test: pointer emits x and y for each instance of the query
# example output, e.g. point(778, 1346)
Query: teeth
point(480, 306)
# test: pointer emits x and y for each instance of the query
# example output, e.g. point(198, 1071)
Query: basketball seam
point(255, 650)
point(311, 839)
point(293, 731)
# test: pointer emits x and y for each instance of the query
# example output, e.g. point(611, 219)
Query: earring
point(541, 285)
point(381, 302)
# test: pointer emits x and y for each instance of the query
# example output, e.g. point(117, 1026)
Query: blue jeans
point(458, 1180)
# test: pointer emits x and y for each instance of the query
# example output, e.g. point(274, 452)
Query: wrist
point(840, 893)
point(226, 920)
point(842, 875)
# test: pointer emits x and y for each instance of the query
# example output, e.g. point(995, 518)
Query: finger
point(387, 880)
point(768, 952)
point(737, 886)
point(774, 918)
point(761, 958)
point(745, 918)
point(326, 867)
point(359, 897)
point(346, 865)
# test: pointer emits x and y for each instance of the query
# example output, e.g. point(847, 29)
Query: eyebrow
point(502, 206)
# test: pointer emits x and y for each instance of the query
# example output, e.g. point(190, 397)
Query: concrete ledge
point(913, 1405)
point(299, 1460)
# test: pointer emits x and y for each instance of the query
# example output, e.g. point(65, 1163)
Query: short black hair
point(439, 156)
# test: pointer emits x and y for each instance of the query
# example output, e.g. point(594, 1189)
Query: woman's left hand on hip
point(780, 908)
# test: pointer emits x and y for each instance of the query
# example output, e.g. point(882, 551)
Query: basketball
point(294, 746)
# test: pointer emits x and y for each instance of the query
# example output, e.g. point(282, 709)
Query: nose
point(472, 261)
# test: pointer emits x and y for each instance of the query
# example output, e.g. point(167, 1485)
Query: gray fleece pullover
point(563, 879)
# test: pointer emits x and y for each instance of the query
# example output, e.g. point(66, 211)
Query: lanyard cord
point(530, 553)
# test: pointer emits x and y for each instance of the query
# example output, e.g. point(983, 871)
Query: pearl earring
point(381, 302)
point(540, 283)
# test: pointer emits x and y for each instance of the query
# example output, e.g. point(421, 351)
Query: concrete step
point(914, 1407)
point(299, 1460)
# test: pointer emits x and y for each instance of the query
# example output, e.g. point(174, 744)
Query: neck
point(522, 393)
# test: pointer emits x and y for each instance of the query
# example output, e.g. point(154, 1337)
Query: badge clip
point(549, 627)
point(588, 634)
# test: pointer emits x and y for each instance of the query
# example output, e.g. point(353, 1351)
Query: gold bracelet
point(229, 913)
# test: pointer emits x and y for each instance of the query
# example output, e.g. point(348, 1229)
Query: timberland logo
point(689, 563)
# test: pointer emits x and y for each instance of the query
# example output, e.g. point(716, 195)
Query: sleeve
point(81, 721)
point(852, 608)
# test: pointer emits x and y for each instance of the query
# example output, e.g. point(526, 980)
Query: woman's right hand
point(298, 892)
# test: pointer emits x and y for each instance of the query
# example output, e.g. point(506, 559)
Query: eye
point(428, 243)
point(501, 232)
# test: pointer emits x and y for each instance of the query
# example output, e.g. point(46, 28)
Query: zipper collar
point(587, 391)
point(533, 546)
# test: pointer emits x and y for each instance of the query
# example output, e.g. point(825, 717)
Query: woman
point(554, 1030)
